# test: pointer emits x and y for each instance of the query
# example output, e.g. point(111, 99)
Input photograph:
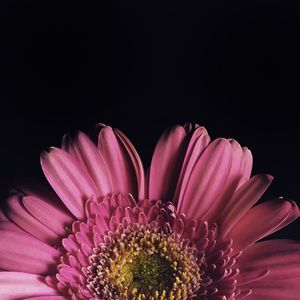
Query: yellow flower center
point(147, 274)
point(142, 263)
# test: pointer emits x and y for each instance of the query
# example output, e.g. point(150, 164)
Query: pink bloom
point(188, 230)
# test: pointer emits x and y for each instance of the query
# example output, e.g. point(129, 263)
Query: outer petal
point(16, 285)
point(46, 298)
point(261, 221)
point(281, 257)
point(199, 141)
point(235, 175)
point(23, 253)
point(246, 278)
point(20, 216)
point(93, 161)
point(242, 200)
point(71, 183)
point(2, 216)
point(8, 225)
point(207, 179)
point(48, 213)
point(247, 166)
point(67, 144)
point(136, 162)
point(166, 163)
point(275, 290)
point(121, 163)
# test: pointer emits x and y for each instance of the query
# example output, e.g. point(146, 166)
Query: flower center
point(141, 262)
point(148, 273)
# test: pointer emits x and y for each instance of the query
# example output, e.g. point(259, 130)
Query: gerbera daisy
point(190, 229)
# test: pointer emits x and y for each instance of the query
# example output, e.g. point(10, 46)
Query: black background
point(232, 66)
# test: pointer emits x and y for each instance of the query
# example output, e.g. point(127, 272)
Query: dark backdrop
point(232, 66)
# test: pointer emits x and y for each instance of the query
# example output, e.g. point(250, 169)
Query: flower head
point(190, 229)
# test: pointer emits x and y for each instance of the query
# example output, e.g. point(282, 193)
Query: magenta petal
point(71, 183)
point(46, 298)
point(284, 289)
point(293, 214)
point(234, 177)
point(2, 216)
point(93, 161)
point(281, 257)
point(237, 163)
point(8, 225)
point(244, 278)
point(207, 179)
point(166, 163)
point(261, 221)
point(247, 166)
point(199, 141)
point(16, 285)
point(136, 162)
point(48, 213)
point(19, 215)
point(116, 157)
point(68, 145)
point(24, 253)
point(242, 200)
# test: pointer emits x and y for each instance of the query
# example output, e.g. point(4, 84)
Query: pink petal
point(46, 298)
point(294, 213)
point(16, 285)
point(166, 164)
point(50, 214)
point(207, 179)
point(283, 289)
point(281, 257)
point(199, 141)
point(247, 166)
point(71, 275)
point(8, 225)
point(234, 177)
point(67, 145)
point(93, 161)
point(242, 200)
point(71, 183)
point(24, 253)
point(117, 159)
point(136, 162)
point(2, 216)
point(245, 278)
point(39, 190)
point(19, 215)
point(262, 220)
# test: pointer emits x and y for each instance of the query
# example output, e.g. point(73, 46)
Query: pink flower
point(188, 230)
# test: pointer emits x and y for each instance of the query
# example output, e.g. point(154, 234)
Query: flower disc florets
point(140, 262)
point(135, 250)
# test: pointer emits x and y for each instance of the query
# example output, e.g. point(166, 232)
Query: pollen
point(140, 262)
